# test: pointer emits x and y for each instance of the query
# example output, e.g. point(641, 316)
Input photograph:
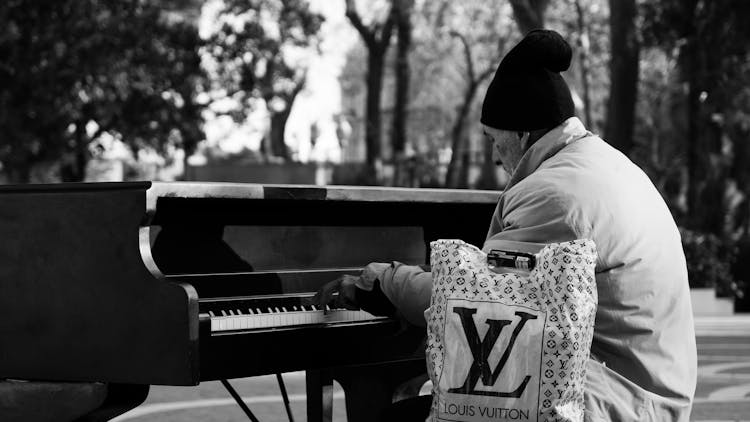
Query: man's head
point(508, 146)
point(527, 97)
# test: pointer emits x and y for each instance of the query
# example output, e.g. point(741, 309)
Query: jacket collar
point(548, 145)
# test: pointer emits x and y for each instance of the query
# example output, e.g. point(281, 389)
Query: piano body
point(141, 283)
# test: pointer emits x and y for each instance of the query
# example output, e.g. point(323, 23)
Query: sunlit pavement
point(723, 392)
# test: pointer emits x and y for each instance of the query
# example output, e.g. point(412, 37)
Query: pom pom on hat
point(527, 92)
point(541, 48)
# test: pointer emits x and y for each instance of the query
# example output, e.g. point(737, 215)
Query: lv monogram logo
point(481, 349)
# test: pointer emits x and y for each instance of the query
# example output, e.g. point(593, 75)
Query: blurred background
point(380, 92)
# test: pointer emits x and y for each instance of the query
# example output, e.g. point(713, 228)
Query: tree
point(623, 75)
point(255, 49)
point(403, 10)
point(583, 59)
point(457, 174)
point(74, 69)
point(710, 41)
point(459, 46)
point(377, 38)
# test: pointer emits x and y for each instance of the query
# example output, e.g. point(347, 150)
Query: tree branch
point(485, 74)
point(467, 53)
point(367, 34)
point(384, 37)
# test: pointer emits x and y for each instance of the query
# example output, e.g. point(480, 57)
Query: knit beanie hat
point(527, 92)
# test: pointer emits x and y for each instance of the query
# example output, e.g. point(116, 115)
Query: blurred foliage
point(479, 33)
point(262, 51)
point(455, 47)
point(709, 262)
point(693, 128)
point(694, 83)
point(73, 69)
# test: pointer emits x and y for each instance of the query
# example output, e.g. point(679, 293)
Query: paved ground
point(723, 392)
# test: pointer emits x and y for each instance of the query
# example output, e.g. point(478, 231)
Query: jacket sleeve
point(407, 287)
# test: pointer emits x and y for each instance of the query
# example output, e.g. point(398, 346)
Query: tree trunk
point(488, 176)
point(277, 131)
point(694, 150)
point(403, 10)
point(377, 40)
point(583, 59)
point(400, 116)
point(623, 75)
point(459, 141)
point(376, 62)
point(74, 168)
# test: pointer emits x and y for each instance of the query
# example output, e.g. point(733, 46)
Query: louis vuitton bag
point(510, 346)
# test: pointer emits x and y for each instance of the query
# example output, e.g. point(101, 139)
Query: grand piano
point(139, 283)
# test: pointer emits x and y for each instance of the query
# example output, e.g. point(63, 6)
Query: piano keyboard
point(274, 312)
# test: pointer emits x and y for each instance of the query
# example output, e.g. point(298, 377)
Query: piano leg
point(370, 389)
point(319, 385)
point(120, 398)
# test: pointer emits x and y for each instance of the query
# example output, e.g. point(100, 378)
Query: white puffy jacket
point(571, 184)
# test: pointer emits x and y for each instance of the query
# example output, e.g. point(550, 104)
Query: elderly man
point(566, 183)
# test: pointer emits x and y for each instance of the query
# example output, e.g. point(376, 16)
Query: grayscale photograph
point(374, 210)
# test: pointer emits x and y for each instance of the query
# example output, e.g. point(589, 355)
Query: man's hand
point(347, 292)
point(339, 293)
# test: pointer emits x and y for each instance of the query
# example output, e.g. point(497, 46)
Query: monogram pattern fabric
point(510, 346)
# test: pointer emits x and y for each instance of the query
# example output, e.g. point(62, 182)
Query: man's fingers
point(347, 298)
point(339, 293)
point(325, 294)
